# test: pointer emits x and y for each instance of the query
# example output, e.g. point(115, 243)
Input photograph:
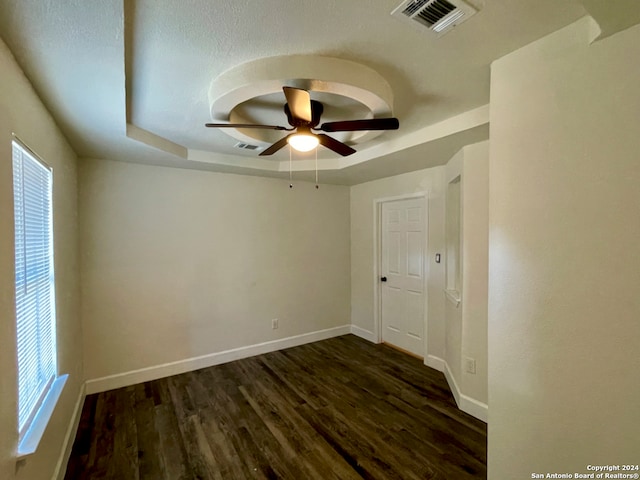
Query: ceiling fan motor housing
point(316, 113)
point(303, 114)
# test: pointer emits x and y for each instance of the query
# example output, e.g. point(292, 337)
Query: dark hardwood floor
point(338, 409)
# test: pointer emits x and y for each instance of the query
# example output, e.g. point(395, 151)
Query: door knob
point(383, 279)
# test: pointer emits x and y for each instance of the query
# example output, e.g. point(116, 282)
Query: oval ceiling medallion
point(252, 93)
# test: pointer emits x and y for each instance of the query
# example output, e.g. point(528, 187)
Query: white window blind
point(35, 304)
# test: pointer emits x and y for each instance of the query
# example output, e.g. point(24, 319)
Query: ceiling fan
point(304, 115)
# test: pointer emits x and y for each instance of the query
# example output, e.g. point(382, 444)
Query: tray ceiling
point(129, 80)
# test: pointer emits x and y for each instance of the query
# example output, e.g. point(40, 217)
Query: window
point(35, 301)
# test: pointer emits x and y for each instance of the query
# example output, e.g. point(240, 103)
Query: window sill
point(31, 439)
point(453, 296)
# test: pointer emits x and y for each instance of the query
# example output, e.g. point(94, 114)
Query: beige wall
point(466, 323)
point(564, 272)
point(453, 312)
point(452, 332)
point(22, 113)
point(363, 196)
point(178, 264)
point(475, 266)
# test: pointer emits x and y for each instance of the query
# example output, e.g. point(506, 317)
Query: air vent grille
point(435, 11)
point(246, 146)
point(414, 6)
point(438, 16)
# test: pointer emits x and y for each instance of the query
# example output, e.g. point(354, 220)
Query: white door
point(402, 274)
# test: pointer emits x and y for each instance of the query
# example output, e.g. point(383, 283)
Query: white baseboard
point(474, 408)
point(434, 362)
point(465, 403)
point(362, 333)
point(67, 444)
point(452, 383)
point(133, 377)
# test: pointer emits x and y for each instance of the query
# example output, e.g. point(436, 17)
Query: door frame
point(377, 261)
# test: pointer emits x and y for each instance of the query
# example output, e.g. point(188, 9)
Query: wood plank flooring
point(340, 409)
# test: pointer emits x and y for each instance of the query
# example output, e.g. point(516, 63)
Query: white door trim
point(377, 260)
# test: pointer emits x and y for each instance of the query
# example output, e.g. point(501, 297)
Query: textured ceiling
point(129, 80)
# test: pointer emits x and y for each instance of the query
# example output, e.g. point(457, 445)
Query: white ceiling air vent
point(439, 16)
point(246, 146)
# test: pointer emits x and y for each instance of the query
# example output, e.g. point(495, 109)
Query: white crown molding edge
point(456, 124)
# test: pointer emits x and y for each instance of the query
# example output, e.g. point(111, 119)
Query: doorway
point(401, 273)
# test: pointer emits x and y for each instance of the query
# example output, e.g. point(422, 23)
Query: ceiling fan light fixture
point(303, 142)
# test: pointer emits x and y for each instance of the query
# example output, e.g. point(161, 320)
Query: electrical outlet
point(274, 323)
point(470, 365)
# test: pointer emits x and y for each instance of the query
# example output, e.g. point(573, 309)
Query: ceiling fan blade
point(356, 125)
point(275, 147)
point(245, 125)
point(333, 144)
point(299, 102)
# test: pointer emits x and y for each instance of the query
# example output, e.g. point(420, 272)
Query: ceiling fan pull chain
point(317, 168)
point(290, 182)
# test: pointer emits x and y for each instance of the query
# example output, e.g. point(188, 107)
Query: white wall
point(466, 323)
point(564, 272)
point(475, 265)
point(453, 311)
point(452, 332)
point(178, 264)
point(22, 113)
point(362, 248)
